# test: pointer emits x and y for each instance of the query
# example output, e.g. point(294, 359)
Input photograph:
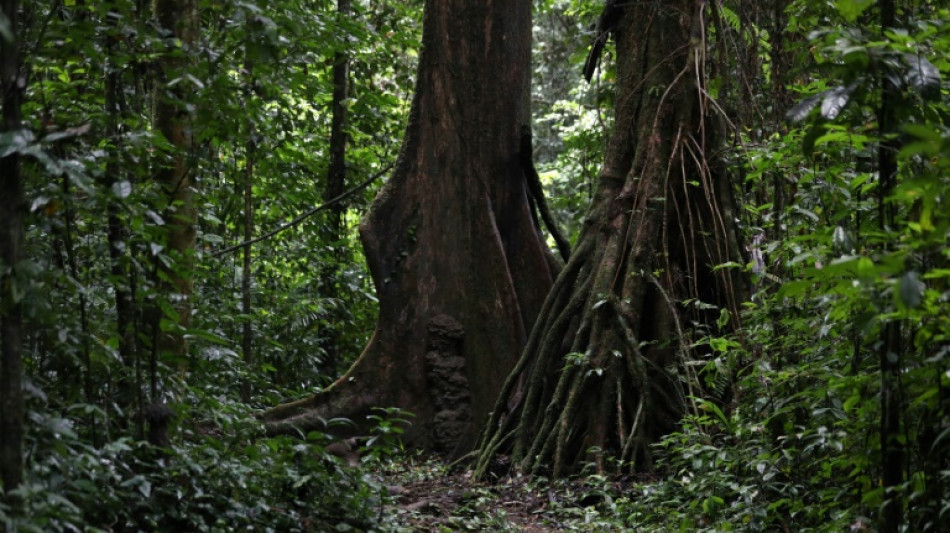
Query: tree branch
point(303, 216)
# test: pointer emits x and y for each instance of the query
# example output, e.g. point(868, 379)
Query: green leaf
point(852, 400)
point(842, 241)
point(866, 268)
point(808, 142)
point(800, 111)
point(209, 336)
point(6, 31)
point(14, 141)
point(922, 76)
point(835, 100)
point(169, 311)
point(39, 202)
point(711, 407)
point(724, 318)
point(145, 488)
point(51, 164)
point(852, 9)
point(911, 290)
point(924, 132)
point(719, 344)
point(791, 289)
point(122, 189)
point(302, 481)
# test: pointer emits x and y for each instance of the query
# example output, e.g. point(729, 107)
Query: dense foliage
point(222, 476)
point(257, 95)
point(847, 330)
point(841, 255)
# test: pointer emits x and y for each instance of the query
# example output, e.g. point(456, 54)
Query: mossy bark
point(603, 372)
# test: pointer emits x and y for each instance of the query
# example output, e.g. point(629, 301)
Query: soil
point(427, 497)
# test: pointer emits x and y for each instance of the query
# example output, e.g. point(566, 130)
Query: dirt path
point(428, 498)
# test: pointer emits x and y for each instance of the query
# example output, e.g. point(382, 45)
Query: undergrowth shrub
point(219, 477)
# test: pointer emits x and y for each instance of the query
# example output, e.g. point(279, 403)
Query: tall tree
point(890, 350)
point(114, 179)
point(250, 154)
point(12, 206)
point(460, 267)
point(603, 369)
point(179, 19)
point(335, 185)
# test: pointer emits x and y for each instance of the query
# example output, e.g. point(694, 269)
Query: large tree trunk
point(603, 369)
point(459, 266)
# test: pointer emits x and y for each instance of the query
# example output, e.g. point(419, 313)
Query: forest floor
point(429, 497)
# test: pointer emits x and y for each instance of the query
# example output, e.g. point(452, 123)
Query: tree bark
point(335, 186)
point(129, 387)
point(603, 370)
point(12, 207)
point(890, 350)
point(460, 268)
point(250, 154)
point(172, 119)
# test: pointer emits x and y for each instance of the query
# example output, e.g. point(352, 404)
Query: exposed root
point(606, 370)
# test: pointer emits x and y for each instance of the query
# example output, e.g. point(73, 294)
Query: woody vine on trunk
point(604, 371)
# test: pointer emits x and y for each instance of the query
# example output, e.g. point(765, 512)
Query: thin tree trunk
point(172, 119)
point(247, 328)
point(250, 152)
point(780, 62)
point(891, 346)
point(73, 269)
point(12, 206)
point(129, 388)
point(336, 184)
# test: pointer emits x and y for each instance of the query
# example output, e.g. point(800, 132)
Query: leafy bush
point(222, 477)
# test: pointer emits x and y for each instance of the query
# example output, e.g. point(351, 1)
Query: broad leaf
point(799, 111)
point(911, 290)
point(122, 189)
point(834, 100)
point(6, 31)
point(852, 9)
point(14, 141)
point(922, 75)
point(842, 241)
